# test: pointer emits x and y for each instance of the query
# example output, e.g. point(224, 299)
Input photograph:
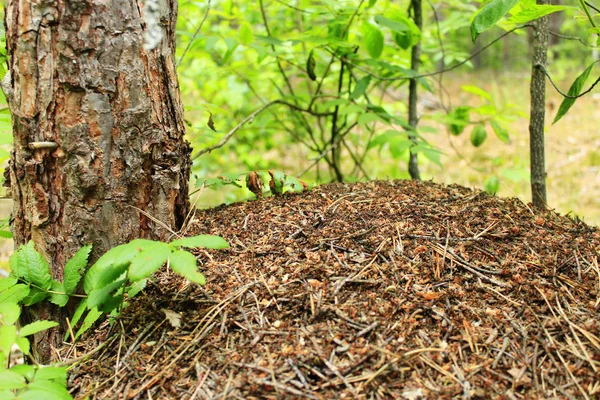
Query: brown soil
point(380, 290)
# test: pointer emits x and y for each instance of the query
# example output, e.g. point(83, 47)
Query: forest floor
point(379, 290)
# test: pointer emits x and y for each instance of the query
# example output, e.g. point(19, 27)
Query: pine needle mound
point(379, 290)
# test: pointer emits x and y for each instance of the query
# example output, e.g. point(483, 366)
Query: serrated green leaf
point(490, 15)
point(8, 336)
point(35, 296)
point(58, 295)
point(99, 296)
point(92, 316)
point(30, 265)
point(111, 306)
point(574, 90)
point(25, 370)
point(7, 282)
point(36, 327)
point(478, 135)
point(205, 241)
point(10, 380)
point(500, 132)
point(10, 313)
point(136, 287)
point(109, 265)
point(81, 308)
point(373, 39)
point(184, 263)
point(361, 87)
point(47, 390)
point(74, 269)
point(23, 344)
point(51, 373)
point(14, 294)
point(149, 261)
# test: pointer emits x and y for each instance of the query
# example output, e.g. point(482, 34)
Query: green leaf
point(91, 317)
point(478, 135)
point(184, 263)
point(399, 145)
point(74, 269)
point(500, 132)
point(58, 297)
point(10, 313)
point(459, 119)
point(51, 373)
point(373, 39)
point(99, 296)
point(81, 308)
point(430, 153)
point(7, 282)
point(310, 66)
point(23, 344)
point(477, 91)
point(136, 287)
point(8, 336)
point(489, 16)
point(36, 327)
point(10, 380)
point(6, 234)
point(26, 371)
point(110, 266)
point(245, 35)
point(492, 184)
point(361, 87)
point(149, 261)
point(574, 90)
point(35, 296)
point(206, 241)
point(27, 263)
point(46, 390)
point(530, 12)
point(14, 294)
point(367, 118)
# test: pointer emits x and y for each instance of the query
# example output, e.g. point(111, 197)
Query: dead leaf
point(211, 123)
point(173, 317)
point(254, 183)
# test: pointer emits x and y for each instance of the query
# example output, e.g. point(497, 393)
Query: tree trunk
point(413, 96)
point(538, 111)
point(99, 151)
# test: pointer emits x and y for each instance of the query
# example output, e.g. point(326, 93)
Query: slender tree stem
point(538, 112)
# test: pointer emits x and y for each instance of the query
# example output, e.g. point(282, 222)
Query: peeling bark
point(80, 77)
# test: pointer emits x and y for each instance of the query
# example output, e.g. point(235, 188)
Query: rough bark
point(538, 112)
point(81, 79)
point(413, 96)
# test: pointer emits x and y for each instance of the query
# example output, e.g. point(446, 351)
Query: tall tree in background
point(538, 111)
point(99, 151)
point(413, 96)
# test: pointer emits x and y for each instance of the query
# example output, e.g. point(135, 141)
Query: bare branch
point(195, 34)
point(250, 118)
